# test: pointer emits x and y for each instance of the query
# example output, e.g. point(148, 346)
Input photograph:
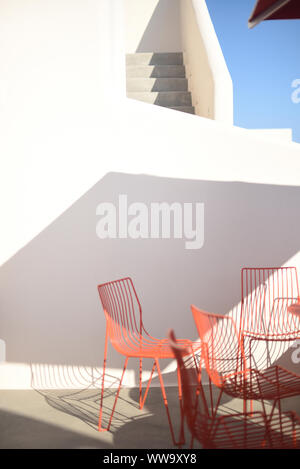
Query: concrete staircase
point(159, 78)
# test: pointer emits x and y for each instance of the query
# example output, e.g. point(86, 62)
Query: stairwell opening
point(155, 71)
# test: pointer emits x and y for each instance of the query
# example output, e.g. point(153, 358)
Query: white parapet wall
point(68, 144)
point(275, 135)
point(209, 79)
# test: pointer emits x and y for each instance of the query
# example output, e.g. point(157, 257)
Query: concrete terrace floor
point(68, 419)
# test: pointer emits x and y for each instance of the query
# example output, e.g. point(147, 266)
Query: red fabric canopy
point(274, 10)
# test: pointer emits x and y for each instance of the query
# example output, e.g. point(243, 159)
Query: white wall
point(209, 79)
point(275, 135)
point(65, 148)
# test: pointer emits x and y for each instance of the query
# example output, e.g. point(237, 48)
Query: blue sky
point(263, 63)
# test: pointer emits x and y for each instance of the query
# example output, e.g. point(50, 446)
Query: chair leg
point(218, 402)
point(102, 388)
point(117, 395)
point(141, 372)
point(143, 399)
point(211, 397)
point(165, 401)
point(270, 416)
point(214, 407)
point(181, 436)
point(199, 390)
point(280, 420)
point(100, 428)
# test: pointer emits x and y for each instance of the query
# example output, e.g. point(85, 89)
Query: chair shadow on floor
point(130, 426)
point(76, 392)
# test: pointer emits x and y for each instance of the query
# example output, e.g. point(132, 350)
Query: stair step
point(187, 109)
point(155, 58)
point(157, 84)
point(155, 71)
point(163, 98)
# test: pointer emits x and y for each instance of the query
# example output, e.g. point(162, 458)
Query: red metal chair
point(127, 334)
point(227, 363)
point(266, 294)
point(235, 431)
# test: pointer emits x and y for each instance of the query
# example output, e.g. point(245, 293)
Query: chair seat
point(273, 383)
point(150, 347)
point(282, 334)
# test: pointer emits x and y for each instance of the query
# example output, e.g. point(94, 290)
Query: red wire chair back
point(266, 294)
point(194, 402)
point(222, 349)
point(122, 310)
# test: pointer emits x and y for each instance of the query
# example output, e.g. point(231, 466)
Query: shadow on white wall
point(152, 26)
point(50, 310)
point(163, 32)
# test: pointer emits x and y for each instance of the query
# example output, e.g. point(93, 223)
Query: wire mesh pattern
point(266, 294)
point(253, 430)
